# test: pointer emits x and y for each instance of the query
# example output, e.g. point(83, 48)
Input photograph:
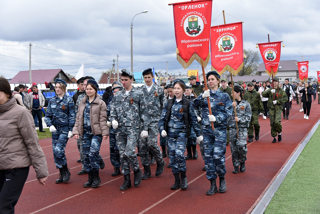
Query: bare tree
point(251, 63)
point(2, 76)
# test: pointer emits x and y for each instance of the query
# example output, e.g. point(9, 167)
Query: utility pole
point(112, 70)
point(117, 67)
point(167, 66)
point(30, 75)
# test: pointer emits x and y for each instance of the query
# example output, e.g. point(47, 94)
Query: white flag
point(80, 72)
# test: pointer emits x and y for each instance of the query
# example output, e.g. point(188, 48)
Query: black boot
point(223, 185)
point(168, 166)
point(116, 171)
point(176, 184)
point(213, 188)
point(204, 168)
point(274, 140)
point(79, 161)
point(279, 137)
point(184, 181)
point(242, 167)
point(96, 179)
point(194, 151)
point(90, 180)
point(82, 172)
point(127, 183)
point(147, 173)
point(102, 165)
point(137, 177)
point(235, 170)
point(164, 152)
point(66, 174)
point(60, 179)
point(152, 159)
point(160, 168)
point(257, 136)
point(189, 155)
point(250, 140)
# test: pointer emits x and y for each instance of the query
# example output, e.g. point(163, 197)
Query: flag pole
point(208, 99)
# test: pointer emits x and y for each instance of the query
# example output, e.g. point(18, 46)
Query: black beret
point(179, 80)
point(168, 86)
point(213, 73)
point(145, 72)
point(93, 82)
point(58, 80)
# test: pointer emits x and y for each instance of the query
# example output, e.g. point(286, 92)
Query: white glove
point(206, 93)
point(274, 102)
point(70, 134)
point(144, 134)
point(199, 119)
point(52, 129)
point(199, 139)
point(115, 124)
point(318, 92)
point(108, 124)
point(212, 118)
point(164, 133)
point(273, 91)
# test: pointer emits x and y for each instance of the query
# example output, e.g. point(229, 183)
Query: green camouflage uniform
point(253, 97)
point(275, 111)
point(228, 91)
point(197, 89)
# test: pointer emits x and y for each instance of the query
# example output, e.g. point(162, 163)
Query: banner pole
point(208, 99)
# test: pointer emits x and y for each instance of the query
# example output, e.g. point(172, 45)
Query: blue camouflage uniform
point(128, 109)
point(153, 101)
point(238, 145)
point(214, 142)
point(61, 114)
point(177, 132)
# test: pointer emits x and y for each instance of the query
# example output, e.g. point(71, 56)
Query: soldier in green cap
point(276, 98)
point(224, 87)
point(197, 89)
point(253, 97)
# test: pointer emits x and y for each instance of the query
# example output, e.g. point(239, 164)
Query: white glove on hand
point(199, 119)
point(115, 124)
point(274, 102)
point(108, 124)
point(206, 93)
point(144, 134)
point(273, 91)
point(212, 118)
point(52, 128)
point(164, 133)
point(199, 139)
point(70, 134)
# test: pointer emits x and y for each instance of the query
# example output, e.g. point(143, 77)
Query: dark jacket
point(76, 95)
point(309, 93)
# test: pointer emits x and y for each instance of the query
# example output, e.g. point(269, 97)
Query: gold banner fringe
point(192, 58)
point(230, 69)
point(271, 72)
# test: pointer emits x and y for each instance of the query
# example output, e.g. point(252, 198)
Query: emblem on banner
point(270, 55)
point(192, 25)
point(226, 43)
point(303, 68)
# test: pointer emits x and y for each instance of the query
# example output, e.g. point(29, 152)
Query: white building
point(287, 69)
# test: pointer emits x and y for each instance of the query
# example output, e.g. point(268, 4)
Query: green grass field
point(46, 134)
point(300, 191)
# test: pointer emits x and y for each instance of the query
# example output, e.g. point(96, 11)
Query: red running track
point(154, 195)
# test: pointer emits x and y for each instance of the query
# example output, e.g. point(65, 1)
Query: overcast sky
point(65, 34)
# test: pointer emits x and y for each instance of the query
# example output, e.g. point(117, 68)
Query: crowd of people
point(184, 115)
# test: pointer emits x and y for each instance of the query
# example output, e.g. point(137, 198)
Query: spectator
point(21, 89)
point(80, 89)
point(16, 94)
point(19, 149)
point(306, 99)
point(300, 86)
point(268, 84)
point(314, 88)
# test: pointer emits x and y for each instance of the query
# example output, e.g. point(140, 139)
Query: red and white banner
point(303, 68)
point(318, 76)
point(270, 53)
point(192, 21)
point(227, 48)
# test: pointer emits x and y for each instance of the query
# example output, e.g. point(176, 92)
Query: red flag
point(270, 53)
point(303, 68)
point(227, 48)
point(318, 75)
point(192, 21)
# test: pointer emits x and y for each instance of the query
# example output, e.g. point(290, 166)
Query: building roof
point(38, 76)
point(284, 65)
point(249, 78)
point(105, 76)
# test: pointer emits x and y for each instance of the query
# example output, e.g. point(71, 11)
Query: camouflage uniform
point(153, 101)
point(228, 91)
point(177, 133)
point(128, 111)
point(253, 97)
point(197, 89)
point(214, 142)
point(275, 110)
point(238, 146)
point(60, 113)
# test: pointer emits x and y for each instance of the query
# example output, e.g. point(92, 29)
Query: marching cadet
point(163, 141)
point(290, 93)
point(224, 87)
point(196, 87)
point(276, 98)
point(60, 118)
point(153, 99)
point(126, 116)
point(176, 120)
point(91, 124)
point(253, 97)
point(214, 142)
point(114, 150)
point(192, 140)
point(238, 138)
point(79, 140)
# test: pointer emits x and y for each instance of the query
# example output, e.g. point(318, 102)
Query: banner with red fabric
point(318, 76)
point(227, 48)
point(303, 68)
point(192, 22)
point(270, 53)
